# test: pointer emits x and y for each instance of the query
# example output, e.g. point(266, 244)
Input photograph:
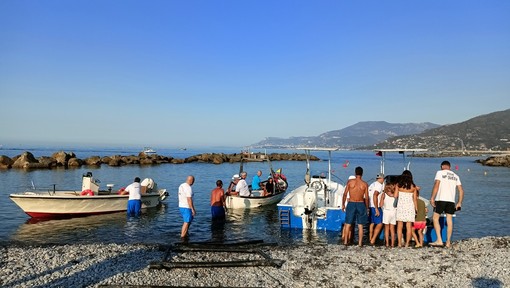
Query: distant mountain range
point(355, 136)
point(485, 132)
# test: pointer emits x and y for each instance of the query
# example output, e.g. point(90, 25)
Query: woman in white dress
point(407, 197)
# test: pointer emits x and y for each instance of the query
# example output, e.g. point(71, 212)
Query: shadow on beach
point(84, 270)
point(486, 282)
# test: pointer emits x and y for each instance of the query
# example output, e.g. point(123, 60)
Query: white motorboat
point(313, 205)
point(87, 201)
point(148, 150)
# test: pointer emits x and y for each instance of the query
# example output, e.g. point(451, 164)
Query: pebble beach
point(476, 262)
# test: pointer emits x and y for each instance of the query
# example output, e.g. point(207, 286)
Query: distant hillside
point(485, 132)
point(357, 135)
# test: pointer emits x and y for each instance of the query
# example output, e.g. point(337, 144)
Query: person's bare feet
point(436, 244)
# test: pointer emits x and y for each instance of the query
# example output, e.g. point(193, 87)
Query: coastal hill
point(481, 133)
point(355, 136)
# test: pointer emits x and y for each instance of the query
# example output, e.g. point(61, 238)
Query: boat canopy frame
point(403, 151)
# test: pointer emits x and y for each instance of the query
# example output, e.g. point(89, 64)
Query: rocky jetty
point(27, 161)
point(498, 161)
point(480, 262)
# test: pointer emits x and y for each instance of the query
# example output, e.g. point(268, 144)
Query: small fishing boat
point(259, 198)
point(148, 150)
point(89, 200)
point(313, 205)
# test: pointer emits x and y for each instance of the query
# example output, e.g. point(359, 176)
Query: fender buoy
point(122, 191)
point(87, 192)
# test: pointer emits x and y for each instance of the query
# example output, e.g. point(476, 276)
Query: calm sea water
point(485, 209)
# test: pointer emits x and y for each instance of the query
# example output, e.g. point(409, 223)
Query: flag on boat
point(379, 153)
point(279, 170)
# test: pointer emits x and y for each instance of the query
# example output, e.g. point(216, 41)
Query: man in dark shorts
point(218, 202)
point(357, 189)
point(446, 183)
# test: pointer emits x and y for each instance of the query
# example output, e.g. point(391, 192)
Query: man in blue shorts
point(186, 206)
point(446, 183)
point(357, 189)
point(134, 205)
point(375, 191)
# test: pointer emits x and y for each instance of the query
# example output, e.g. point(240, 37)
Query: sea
point(485, 210)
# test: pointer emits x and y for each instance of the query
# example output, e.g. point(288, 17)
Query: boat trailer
point(251, 248)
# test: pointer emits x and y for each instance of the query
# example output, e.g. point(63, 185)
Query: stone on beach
point(480, 262)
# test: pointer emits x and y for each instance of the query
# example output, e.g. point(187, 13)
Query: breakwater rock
point(498, 161)
point(27, 161)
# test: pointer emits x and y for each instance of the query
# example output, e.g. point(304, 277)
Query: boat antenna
point(270, 166)
point(241, 166)
point(307, 174)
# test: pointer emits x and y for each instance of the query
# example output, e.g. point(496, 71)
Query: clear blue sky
point(230, 73)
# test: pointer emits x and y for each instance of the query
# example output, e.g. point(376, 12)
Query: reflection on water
point(68, 230)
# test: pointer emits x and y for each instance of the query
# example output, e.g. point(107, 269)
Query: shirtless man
point(218, 202)
point(357, 189)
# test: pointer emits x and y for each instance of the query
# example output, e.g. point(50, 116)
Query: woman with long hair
point(406, 193)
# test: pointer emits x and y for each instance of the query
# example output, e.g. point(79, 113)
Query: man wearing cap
point(242, 186)
point(446, 184)
point(375, 191)
point(232, 187)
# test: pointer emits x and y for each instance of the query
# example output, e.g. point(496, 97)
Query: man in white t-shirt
point(186, 206)
point(242, 187)
point(446, 183)
point(134, 205)
point(375, 191)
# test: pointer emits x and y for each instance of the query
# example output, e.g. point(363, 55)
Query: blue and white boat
point(316, 204)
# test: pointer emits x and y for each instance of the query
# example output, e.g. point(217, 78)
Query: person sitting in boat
point(134, 205)
point(231, 190)
point(242, 187)
point(269, 187)
point(255, 182)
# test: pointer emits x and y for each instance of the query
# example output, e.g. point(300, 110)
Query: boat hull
point(237, 202)
point(71, 204)
point(326, 214)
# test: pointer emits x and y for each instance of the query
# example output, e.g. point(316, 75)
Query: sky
point(230, 73)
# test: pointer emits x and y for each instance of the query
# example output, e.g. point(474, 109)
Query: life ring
point(87, 192)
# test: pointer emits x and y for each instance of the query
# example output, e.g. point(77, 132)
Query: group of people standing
point(396, 203)
point(391, 204)
point(238, 186)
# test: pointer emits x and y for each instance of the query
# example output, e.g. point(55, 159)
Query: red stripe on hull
point(65, 215)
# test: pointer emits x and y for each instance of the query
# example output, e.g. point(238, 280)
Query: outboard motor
point(310, 200)
point(148, 185)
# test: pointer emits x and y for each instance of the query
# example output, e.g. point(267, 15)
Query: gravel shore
point(480, 262)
